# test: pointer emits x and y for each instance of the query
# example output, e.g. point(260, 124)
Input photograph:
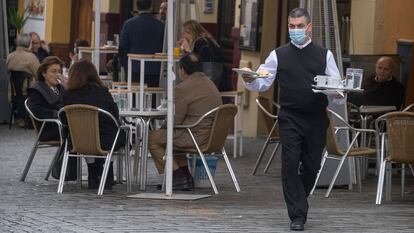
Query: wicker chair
point(332, 150)
point(223, 120)
point(83, 123)
point(42, 144)
point(409, 108)
point(400, 131)
point(271, 121)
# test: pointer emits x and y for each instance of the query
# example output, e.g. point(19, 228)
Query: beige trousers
point(156, 145)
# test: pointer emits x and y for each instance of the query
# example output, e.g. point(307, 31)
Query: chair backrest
point(32, 115)
point(409, 108)
point(400, 130)
point(17, 78)
point(266, 106)
point(331, 140)
point(223, 121)
point(83, 122)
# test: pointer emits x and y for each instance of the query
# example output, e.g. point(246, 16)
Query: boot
point(92, 176)
point(109, 177)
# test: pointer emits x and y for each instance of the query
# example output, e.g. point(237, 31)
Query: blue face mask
point(298, 36)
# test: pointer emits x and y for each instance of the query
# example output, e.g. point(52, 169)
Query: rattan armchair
point(332, 150)
point(409, 108)
point(271, 121)
point(42, 144)
point(399, 135)
point(223, 121)
point(83, 124)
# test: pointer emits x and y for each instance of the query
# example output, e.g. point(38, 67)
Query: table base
point(176, 196)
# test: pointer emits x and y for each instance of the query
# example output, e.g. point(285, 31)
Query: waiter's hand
point(248, 78)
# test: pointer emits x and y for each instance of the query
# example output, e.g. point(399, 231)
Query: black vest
point(295, 72)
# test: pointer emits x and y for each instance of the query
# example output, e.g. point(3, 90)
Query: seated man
point(193, 97)
point(21, 60)
point(39, 47)
point(381, 89)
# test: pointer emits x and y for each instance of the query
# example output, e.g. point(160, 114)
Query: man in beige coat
point(22, 60)
point(194, 96)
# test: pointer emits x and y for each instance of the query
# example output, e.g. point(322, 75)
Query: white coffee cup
point(334, 82)
point(320, 80)
point(110, 43)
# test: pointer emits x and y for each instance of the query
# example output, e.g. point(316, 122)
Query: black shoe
point(94, 176)
point(183, 184)
point(297, 225)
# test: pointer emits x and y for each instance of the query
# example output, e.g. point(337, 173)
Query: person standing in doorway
point(142, 34)
point(302, 118)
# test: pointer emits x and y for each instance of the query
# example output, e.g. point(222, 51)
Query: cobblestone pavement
point(34, 205)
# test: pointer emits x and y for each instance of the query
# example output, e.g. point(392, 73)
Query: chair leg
point(128, 163)
point(411, 168)
point(79, 172)
point(359, 173)
point(388, 182)
point(325, 155)
point(380, 183)
point(63, 169)
point(210, 177)
point(259, 159)
point(233, 176)
point(338, 169)
point(49, 171)
point(29, 161)
point(272, 156)
point(402, 180)
point(104, 175)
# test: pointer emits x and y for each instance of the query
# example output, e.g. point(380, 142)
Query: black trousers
point(303, 139)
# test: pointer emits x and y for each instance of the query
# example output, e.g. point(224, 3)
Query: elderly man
point(302, 118)
point(22, 60)
point(193, 97)
point(163, 11)
point(380, 89)
point(39, 48)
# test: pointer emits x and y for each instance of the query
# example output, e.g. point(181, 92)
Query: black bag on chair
point(217, 71)
point(71, 173)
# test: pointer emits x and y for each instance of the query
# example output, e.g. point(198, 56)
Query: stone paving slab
point(34, 205)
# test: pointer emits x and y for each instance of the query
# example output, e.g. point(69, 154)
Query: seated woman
point(45, 96)
point(85, 87)
point(196, 39)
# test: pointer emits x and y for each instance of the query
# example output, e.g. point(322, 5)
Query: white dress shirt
point(262, 84)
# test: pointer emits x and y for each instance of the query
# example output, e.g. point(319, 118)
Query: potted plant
point(17, 20)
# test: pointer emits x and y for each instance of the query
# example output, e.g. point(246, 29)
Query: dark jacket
point(92, 94)
point(142, 34)
point(44, 104)
point(388, 93)
point(42, 54)
point(212, 59)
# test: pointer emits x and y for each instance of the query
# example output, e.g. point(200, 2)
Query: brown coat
point(22, 59)
point(193, 98)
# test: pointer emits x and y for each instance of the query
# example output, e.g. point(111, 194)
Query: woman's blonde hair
point(198, 31)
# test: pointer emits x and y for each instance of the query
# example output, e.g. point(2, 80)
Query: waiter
point(302, 118)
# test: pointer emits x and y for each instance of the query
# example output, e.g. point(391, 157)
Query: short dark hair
point(190, 63)
point(46, 63)
point(299, 12)
point(143, 5)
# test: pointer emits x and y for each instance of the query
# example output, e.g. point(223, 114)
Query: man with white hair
point(22, 60)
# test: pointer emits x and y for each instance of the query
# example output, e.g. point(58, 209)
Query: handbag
point(71, 171)
point(216, 71)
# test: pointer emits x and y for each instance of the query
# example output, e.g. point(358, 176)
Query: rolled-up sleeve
point(262, 84)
